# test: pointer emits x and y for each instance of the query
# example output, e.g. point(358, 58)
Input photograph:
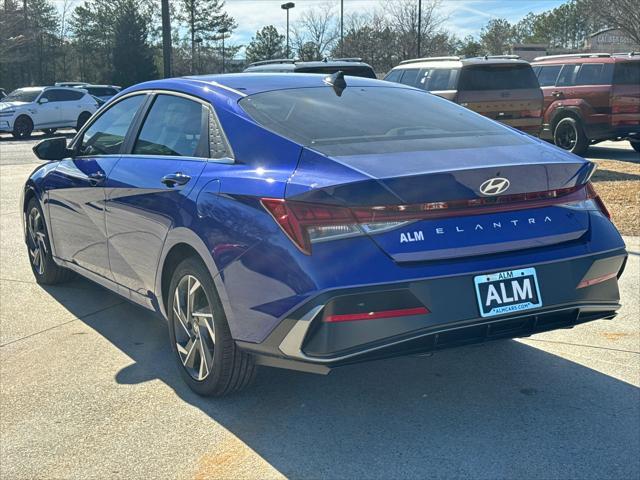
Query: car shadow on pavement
point(606, 153)
point(503, 409)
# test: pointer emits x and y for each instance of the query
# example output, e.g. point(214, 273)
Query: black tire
point(82, 119)
point(22, 127)
point(49, 131)
point(46, 271)
point(635, 144)
point(569, 135)
point(231, 369)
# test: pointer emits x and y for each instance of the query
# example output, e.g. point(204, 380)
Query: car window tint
point(566, 75)
point(439, 79)
point(365, 120)
point(423, 78)
point(106, 135)
point(393, 76)
point(497, 77)
point(410, 76)
point(52, 95)
point(627, 73)
point(591, 74)
point(69, 95)
point(172, 127)
point(547, 75)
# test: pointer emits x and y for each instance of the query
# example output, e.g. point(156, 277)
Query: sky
point(464, 17)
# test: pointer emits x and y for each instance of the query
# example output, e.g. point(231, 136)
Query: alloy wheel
point(566, 136)
point(36, 240)
point(193, 327)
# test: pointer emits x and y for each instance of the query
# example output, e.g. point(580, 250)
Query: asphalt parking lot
point(89, 390)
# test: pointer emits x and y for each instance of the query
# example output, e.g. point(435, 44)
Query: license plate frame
point(507, 297)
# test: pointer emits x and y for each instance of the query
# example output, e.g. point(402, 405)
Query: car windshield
point(22, 95)
point(366, 120)
point(498, 77)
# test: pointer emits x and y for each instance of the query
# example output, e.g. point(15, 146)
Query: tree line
point(120, 41)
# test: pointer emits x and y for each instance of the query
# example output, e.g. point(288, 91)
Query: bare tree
point(621, 14)
point(402, 16)
point(316, 32)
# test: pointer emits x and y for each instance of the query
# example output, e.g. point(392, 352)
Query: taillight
point(307, 223)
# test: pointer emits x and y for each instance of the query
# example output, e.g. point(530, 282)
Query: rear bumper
point(304, 341)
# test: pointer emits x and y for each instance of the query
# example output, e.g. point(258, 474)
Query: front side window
point(366, 120)
point(547, 75)
point(497, 77)
point(106, 135)
point(173, 127)
point(52, 95)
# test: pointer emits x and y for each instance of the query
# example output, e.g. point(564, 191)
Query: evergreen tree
point(132, 56)
point(266, 45)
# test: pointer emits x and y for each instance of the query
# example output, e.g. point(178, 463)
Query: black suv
point(350, 66)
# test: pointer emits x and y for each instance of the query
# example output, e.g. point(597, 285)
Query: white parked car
point(45, 108)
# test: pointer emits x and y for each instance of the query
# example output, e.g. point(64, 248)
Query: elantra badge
point(494, 186)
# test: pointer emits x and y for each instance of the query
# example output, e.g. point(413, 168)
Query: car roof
point(453, 61)
point(249, 83)
point(587, 58)
point(286, 64)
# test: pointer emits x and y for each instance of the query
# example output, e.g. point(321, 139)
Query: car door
point(76, 188)
point(70, 106)
point(148, 185)
point(46, 111)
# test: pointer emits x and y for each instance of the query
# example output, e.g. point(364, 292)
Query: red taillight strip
point(352, 317)
point(296, 217)
point(596, 280)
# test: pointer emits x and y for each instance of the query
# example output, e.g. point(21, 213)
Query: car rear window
point(627, 73)
point(365, 120)
point(497, 77)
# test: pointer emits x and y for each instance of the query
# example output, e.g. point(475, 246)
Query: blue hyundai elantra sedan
point(311, 221)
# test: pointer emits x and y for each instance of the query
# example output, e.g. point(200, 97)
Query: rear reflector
point(305, 223)
point(352, 317)
point(596, 280)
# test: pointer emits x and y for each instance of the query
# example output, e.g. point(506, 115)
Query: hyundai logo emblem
point(494, 186)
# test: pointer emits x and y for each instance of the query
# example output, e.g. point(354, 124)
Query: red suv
point(589, 98)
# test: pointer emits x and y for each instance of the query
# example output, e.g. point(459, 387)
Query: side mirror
point(43, 100)
point(52, 149)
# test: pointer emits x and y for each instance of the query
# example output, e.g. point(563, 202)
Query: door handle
point(174, 179)
point(557, 93)
point(96, 177)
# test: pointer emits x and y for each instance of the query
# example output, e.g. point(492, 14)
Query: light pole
point(166, 39)
point(342, 28)
point(419, 25)
point(287, 6)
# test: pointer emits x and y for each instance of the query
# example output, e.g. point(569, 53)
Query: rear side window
point(498, 77)
point(69, 95)
point(410, 76)
point(548, 74)
point(626, 73)
point(173, 127)
point(106, 135)
point(439, 79)
point(393, 76)
point(591, 74)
